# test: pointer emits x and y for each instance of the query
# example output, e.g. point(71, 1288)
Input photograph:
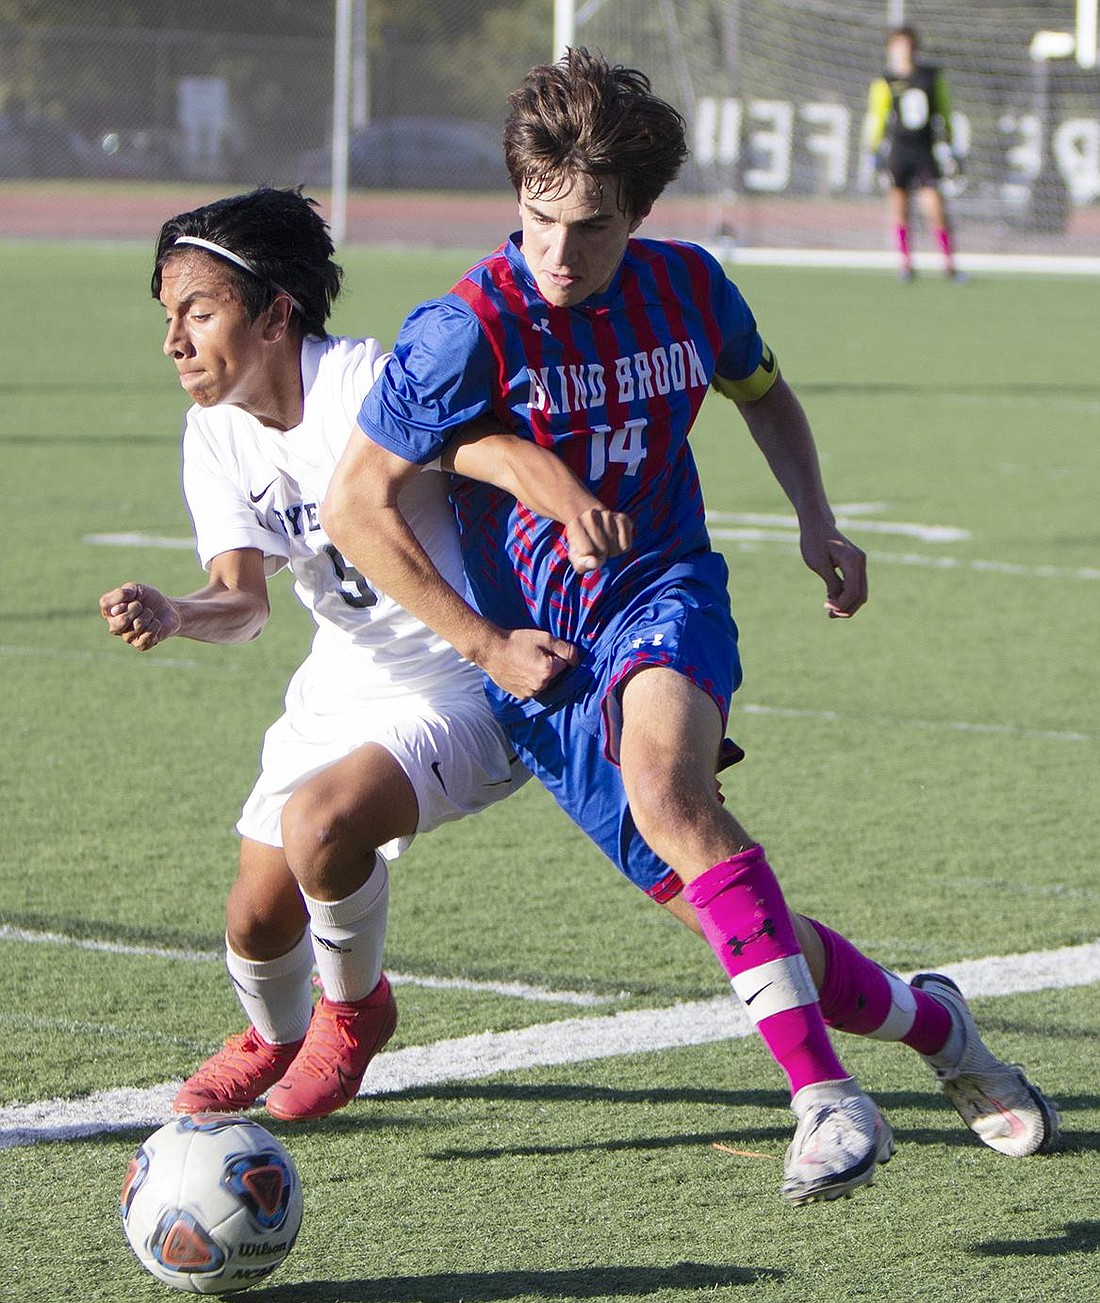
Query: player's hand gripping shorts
point(572, 745)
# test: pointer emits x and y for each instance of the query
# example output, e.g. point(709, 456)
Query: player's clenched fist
point(139, 615)
point(597, 534)
point(526, 661)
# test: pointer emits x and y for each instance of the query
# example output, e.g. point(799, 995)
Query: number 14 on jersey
point(624, 447)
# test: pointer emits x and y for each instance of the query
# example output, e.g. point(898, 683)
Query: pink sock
point(943, 239)
point(745, 919)
point(902, 236)
point(859, 996)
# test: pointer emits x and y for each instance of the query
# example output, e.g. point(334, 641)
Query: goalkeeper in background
point(908, 114)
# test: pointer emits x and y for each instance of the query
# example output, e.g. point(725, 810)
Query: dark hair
point(909, 33)
point(283, 239)
point(582, 115)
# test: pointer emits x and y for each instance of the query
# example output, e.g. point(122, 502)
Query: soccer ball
point(211, 1204)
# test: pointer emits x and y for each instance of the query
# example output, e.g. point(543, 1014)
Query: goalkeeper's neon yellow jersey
point(909, 112)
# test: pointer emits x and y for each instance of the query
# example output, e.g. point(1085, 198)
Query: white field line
point(988, 567)
point(852, 517)
point(71, 654)
point(573, 1040)
point(752, 535)
point(929, 725)
point(782, 712)
point(139, 540)
point(730, 251)
point(761, 528)
point(514, 990)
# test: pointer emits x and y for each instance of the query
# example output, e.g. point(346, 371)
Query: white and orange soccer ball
point(211, 1204)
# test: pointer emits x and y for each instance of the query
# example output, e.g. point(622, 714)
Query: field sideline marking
point(73, 654)
point(745, 708)
point(749, 536)
point(140, 540)
point(1043, 264)
point(929, 725)
point(554, 1044)
point(779, 529)
point(515, 990)
point(853, 516)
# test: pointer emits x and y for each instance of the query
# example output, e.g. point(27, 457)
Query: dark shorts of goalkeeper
point(913, 169)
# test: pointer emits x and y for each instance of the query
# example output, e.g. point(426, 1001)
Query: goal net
point(775, 93)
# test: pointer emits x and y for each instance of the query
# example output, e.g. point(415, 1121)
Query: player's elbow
point(246, 615)
point(257, 621)
point(335, 513)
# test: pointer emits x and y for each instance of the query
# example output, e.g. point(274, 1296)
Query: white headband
point(222, 252)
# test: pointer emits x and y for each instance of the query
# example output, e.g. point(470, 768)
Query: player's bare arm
point(540, 480)
point(232, 607)
point(781, 430)
point(362, 516)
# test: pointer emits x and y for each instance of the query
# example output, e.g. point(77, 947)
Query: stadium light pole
point(360, 67)
point(341, 85)
point(565, 26)
point(1087, 18)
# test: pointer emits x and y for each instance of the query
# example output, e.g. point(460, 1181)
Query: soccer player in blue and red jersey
point(614, 685)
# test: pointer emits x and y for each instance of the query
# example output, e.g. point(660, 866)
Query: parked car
point(413, 153)
point(142, 153)
point(31, 145)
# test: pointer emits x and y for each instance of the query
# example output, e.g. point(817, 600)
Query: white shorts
point(450, 747)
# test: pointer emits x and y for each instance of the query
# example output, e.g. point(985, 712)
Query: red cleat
point(236, 1076)
point(328, 1070)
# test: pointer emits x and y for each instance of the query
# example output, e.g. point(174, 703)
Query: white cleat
point(995, 1100)
point(840, 1138)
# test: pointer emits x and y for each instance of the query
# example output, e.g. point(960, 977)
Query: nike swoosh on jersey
point(255, 497)
point(435, 770)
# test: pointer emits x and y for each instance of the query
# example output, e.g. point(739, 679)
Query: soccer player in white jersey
point(386, 732)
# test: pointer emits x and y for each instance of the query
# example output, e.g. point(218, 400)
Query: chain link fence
point(181, 104)
point(774, 93)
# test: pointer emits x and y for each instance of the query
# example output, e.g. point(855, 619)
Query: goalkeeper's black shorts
point(909, 168)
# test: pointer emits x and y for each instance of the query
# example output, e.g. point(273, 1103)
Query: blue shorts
point(572, 744)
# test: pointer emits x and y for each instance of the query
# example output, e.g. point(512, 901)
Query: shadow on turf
point(486, 1286)
point(1077, 1237)
point(953, 1134)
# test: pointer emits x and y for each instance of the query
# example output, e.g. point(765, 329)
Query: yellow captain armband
point(751, 387)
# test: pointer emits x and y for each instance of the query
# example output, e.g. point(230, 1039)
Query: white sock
point(348, 937)
point(275, 993)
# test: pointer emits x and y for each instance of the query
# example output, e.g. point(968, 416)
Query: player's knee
point(321, 832)
point(263, 924)
point(667, 806)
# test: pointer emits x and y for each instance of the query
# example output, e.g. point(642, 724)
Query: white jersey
point(250, 486)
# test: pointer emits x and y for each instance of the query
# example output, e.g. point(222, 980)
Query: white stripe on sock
point(903, 1010)
point(774, 987)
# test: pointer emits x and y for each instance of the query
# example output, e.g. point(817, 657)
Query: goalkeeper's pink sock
point(901, 234)
point(943, 239)
point(859, 996)
point(745, 919)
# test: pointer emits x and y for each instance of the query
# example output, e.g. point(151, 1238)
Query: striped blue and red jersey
point(611, 385)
